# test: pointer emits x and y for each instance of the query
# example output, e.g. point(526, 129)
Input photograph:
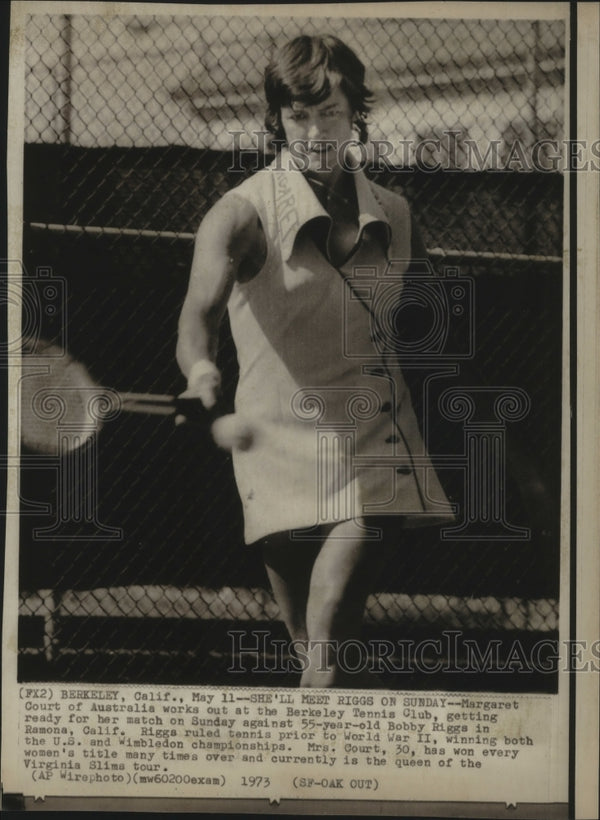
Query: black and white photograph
point(296, 337)
point(294, 358)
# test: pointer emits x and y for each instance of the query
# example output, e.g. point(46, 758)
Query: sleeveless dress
point(335, 433)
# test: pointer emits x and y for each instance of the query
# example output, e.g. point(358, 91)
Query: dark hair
point(306, 69)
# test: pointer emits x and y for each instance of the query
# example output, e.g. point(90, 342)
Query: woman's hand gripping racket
point(201, 402)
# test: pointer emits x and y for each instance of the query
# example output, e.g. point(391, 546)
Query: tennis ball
point(232, 432)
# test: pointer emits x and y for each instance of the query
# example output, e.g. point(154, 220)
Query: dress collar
point(296, 203)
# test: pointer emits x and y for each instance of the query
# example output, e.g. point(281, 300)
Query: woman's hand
point(204, 383)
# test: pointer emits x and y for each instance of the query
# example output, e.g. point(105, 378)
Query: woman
point(307, 256)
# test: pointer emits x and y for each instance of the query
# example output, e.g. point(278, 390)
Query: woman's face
point(316, 132)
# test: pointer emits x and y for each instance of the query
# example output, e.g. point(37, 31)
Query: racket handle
point(228, 431)
point(151, 403)
point(164, 405)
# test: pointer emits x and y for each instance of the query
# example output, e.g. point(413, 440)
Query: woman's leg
point(343, 574)
point(289, 565)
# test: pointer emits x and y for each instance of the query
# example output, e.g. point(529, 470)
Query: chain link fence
point(133, 126)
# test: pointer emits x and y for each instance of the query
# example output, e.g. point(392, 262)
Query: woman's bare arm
point(225, 238)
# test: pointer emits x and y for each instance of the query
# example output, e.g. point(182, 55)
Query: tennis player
point(329, 448)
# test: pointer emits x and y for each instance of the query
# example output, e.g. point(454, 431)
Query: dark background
point(172, 492)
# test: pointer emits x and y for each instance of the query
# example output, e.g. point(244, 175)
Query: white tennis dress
point(335, 433)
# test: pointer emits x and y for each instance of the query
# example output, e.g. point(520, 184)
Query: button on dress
point(335, 433)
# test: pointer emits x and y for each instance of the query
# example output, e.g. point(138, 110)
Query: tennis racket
point(59, 401)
